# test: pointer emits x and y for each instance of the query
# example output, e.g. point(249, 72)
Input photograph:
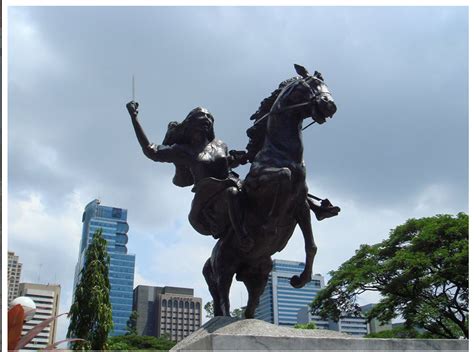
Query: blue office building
point(280, 302)
point(113, 222)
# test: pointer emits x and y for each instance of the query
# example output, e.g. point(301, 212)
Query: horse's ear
point(301, 71)
point(318, 75)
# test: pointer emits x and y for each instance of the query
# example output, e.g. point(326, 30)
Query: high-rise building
point(348, 324)
point(376, 325)
point(280, 302)
point(113, 222)
point(46, 298)
point(14, 273)
point(173, 311)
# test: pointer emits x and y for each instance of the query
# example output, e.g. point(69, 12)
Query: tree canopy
point(91, 312)
point(421, 272)
point(306, 326)
point(132, 323)
point(236, 313)
point(400, 332)
point(136, 342)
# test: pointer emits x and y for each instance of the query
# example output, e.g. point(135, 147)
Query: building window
point(169, 304)
point(180, 304)
point(116, 213)
point(163, 303)
point(192, 305)
point(186, 305)
point(175, 304)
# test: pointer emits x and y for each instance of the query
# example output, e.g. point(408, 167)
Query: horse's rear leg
point(212, 284)
point(224, 262)
point(255, 280)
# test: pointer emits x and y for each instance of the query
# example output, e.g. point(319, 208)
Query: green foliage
point(209, 308)
point(91, 312)
point(400, 332)
point(132, 323)
point(309, 326)
point(136, 342)
point(421, 271)
point(237, 313)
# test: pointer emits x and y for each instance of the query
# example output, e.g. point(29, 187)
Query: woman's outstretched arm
point(162, 153)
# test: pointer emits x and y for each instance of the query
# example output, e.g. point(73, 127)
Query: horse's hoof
point(249, 315)
point(296, 282)
point(246, 244)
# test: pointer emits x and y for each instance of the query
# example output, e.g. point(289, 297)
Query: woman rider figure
point(203, 161)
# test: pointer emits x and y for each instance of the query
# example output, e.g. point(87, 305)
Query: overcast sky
point(397, 147)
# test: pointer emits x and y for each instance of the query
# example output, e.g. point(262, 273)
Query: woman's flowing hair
point(177, 134)
point(256, 133)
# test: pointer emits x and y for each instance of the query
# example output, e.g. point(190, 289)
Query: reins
point(290, 107)
point(281, 110)
point(285, 109)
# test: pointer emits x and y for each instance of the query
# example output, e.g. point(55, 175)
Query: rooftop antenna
point(39, 273)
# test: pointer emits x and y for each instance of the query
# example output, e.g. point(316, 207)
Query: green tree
point(209, 308)
point(306, 326)
point(237, 313)
point(136, 342)
point(91, 312)
point(132, 323)
point(400, 332)
point(421, 271)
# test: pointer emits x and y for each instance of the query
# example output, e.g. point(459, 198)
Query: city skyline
point(172, 311)
point(46, 299)
point(112, 222)
point(280, 302)
point(13, 276)
point(394, 149)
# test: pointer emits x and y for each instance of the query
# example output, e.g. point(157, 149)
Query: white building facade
point(280, 302)
point(350, 325)
point(46, 298)
point(14, 273)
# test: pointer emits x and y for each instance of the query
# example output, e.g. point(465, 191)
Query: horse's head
point(311, 94)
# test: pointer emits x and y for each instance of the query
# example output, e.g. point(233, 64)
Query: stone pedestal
point(225, 333)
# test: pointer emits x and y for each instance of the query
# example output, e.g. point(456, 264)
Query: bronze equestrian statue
point(254, 218)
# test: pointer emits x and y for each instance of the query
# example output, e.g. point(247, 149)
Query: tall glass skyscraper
point(280, 302)
point(113, 222)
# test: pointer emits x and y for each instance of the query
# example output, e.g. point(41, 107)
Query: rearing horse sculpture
point(275, 189)
point(253, 219)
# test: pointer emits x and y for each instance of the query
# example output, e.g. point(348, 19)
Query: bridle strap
point(290, 107)
point(309, 124)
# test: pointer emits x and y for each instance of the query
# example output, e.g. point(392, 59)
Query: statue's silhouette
point(254, 218)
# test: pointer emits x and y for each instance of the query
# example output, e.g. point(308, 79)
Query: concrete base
point(225, 333)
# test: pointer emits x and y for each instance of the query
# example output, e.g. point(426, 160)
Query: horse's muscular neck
point(284, 137)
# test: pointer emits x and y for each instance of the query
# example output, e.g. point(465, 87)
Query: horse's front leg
point(303, 216)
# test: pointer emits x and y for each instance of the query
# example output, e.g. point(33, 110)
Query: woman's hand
point(132, 108)
point(239, 157)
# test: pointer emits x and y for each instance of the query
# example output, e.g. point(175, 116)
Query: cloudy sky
point(397, 148)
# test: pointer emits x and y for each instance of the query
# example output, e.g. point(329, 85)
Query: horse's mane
point(256, 133)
